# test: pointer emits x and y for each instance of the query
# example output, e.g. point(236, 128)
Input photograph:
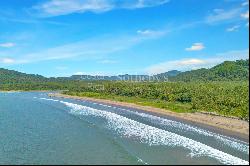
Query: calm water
point(36, 129)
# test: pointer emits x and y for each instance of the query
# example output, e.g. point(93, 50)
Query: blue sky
point(110, 37)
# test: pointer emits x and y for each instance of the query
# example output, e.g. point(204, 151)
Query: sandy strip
point(223, 125)
point(12, 91)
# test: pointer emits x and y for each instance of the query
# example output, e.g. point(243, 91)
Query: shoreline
point(12, 91)
point(219, 124)
point(25, 91)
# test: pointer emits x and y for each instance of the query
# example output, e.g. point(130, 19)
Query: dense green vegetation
point(227, 71)
point(224, 98)
point(222, 89)
point(10, 76)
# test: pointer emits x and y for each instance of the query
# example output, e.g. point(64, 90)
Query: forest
point(223, 89)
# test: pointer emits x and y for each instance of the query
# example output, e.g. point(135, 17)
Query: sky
point(112, 37)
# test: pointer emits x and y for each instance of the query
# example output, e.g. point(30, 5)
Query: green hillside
point(227, 71)
point(223, 89)
point(11, 76)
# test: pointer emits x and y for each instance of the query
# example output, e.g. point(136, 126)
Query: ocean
point(37, 129)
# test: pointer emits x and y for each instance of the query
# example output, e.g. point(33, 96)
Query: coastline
point(12, 91)
point(223, 125)
point(6, 91)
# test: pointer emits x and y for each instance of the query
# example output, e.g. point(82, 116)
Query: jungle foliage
point(223, 89)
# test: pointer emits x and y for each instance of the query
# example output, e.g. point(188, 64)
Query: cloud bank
point(196, 47)
point(7, 45)
point(196, 63)
point(63, 7)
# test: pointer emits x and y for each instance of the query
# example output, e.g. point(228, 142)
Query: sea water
point(37, 129)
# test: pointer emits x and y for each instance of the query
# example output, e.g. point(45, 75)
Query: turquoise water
point(36, 129)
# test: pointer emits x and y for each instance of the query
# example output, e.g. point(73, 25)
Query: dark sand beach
point(228, 126)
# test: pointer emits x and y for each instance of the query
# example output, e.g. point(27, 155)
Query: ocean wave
point(9, 92)
point(49, 99)
point(150, 135)
point(233, 143)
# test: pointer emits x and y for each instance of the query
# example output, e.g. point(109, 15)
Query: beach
point(42, 130)
point(224, 125)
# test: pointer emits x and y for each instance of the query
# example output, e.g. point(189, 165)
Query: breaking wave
point(187, 128)
point(231, 142)
point(129, 128)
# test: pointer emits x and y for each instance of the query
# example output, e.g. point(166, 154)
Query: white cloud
point(196, 47)
point(145, 32)
point(152, 33)
point(94, 48)
point(220, 15)
point(89, 49)
point(7, 60)
point(234, 28)
point(134, 4)
point(236, 15)
point(80, 73)
point(183, 64)
point(245, 3)
point(191, 62)
point(7, 45)
point(245, 15)
point(107, 61)
point(84, 49)
point(63, 7)
point(61, 68)
point(195, 63)
point(97, 73)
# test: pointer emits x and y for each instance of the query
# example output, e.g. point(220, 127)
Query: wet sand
point(227, 126)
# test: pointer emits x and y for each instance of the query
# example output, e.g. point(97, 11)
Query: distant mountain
point(127, 77)
point(167, 75)
point(227, 71)
point(171, 73)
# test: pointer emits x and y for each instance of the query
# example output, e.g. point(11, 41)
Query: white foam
point(49, 99)
point(154, 136)
point(141, 161)
point(9, 92)
point(233, 143)
point(243, 147)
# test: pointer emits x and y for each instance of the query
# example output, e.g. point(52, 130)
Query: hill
point(222, 89)
point(11, 76)
point(227, 71)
